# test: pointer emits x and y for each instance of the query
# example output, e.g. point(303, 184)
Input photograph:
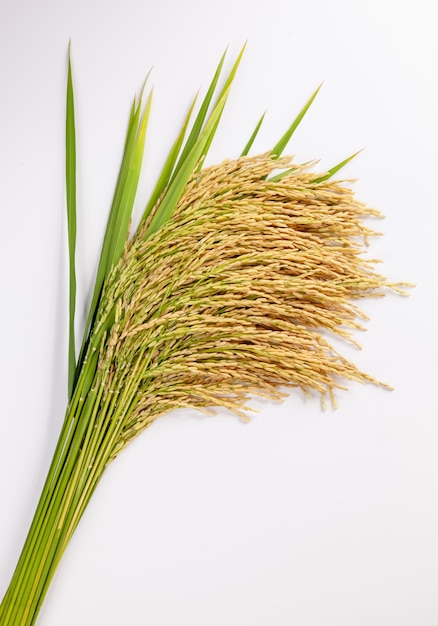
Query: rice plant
point(226, 290)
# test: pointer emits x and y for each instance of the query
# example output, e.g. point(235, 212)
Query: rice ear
point(235, 293)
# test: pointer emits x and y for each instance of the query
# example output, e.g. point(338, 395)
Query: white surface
point(301, 517)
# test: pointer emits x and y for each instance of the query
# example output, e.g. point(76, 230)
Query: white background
point(302, 517)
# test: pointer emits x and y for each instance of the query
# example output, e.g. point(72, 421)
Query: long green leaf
point(284, 173)
point(332, 171)
point(168, 167)
point(106, 260)
point(282, 143)
point(101, 269)
point(200, 141)
point(277, 177)
point(170, 170)
point(127, 198)
point(198, 124)
point(70, 178)
point(176, 187)
point(200, 118)
point(225, 90)
point(120, 213)
point(251, 140)
point(231, 75)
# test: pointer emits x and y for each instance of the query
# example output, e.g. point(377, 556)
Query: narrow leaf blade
point(278, 177)
point(225, 90)
point(197, 127)
point(121, 230)
point(176, 187)
point(188, 161)
point(201, 116)
point(169, 165)
point(103, 261)
point(70, 178)
point(332, 171)
point(282, 143)
point(106, 259)
point(251, 140)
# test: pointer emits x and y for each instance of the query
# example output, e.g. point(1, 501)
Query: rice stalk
point(229, 288)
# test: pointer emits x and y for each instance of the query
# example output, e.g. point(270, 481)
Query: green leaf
point(176, 187)
point(282, 143)
point(332, 171)
point(225, 90)
point(127, 197)
point(251, 140)
point(200, 118)
point(167, 170)
point(277, 177)
point(197, 126)
point(121, 210)
point(232, 74)
point(284, 173)
point(199, 141)
point(70, 178)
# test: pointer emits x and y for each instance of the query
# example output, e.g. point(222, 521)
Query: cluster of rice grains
point(233, 295)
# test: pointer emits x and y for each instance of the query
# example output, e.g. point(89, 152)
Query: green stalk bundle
point(225, 291)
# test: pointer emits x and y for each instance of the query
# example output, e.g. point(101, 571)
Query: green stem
point(86, 443)
point(42, 549)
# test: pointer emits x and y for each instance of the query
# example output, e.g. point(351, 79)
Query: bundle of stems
point(226, 290)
